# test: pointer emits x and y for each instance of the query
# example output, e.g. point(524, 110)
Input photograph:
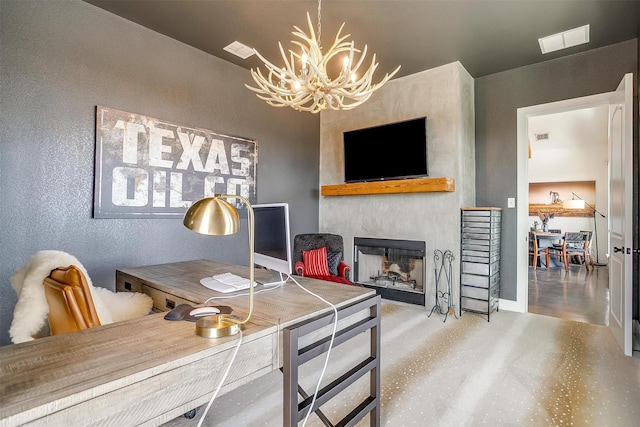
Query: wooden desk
point(150, 370)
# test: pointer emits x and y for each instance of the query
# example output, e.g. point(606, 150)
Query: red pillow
point(315, 262)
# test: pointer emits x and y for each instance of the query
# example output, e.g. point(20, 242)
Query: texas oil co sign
point(146, 167)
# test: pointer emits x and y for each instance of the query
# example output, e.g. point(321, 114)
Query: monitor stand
point(277, 278)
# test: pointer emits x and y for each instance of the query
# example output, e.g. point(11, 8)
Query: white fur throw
point(30, 313)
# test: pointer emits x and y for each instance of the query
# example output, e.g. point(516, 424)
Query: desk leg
point(294, 357)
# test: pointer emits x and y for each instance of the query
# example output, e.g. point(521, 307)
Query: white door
point(620, 204)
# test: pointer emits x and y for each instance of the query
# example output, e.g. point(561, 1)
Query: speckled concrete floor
point(575, 294)
point(517, 370)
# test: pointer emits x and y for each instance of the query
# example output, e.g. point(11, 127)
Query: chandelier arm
point(305, 49)
point(312, 49)
point(288, 66)
point(271, 67)
point(265, 93)
point(312, 34)
point(355, 68)
point(343, 47)
point(301, 34)
point(338, 40)
point(279, 94)
point(263, 82)
point(353, 104)
point(279, 101)
point(323, 78)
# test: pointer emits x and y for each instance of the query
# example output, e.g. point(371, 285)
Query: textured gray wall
point(58, 60)
point(445, 96)
point(497, 98)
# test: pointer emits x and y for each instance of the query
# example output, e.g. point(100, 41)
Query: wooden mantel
point(419, 185)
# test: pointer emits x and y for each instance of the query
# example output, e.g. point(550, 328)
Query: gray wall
point(497, 98)
point(58, 60)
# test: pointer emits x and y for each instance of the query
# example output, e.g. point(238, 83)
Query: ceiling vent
point(239, 49)
point(565, 39)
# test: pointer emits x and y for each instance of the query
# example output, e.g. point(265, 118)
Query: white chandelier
point(309, 88)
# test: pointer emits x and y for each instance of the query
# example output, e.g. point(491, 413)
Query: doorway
point(525, 221)
point(568, 160)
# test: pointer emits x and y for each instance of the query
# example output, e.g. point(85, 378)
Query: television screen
point(391, 151)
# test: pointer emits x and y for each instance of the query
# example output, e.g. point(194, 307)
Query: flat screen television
point(391, 151)
point(272, 240)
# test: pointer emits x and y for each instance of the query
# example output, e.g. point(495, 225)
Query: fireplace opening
point(395, 268)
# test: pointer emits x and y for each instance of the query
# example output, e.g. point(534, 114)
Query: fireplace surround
point(396, 269)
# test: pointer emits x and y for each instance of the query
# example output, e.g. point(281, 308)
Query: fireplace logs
point(396, 268)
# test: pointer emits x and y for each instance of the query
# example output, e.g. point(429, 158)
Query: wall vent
point(542, 136)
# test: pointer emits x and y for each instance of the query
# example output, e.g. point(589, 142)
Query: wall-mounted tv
point(391, 151)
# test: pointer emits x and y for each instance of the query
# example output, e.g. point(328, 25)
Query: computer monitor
point(272, 240)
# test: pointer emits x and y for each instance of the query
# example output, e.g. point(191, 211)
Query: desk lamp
point(217, 217)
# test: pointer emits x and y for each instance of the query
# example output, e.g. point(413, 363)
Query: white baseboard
point(508, 305)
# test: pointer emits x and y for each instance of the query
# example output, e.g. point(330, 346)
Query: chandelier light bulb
point(312, 89)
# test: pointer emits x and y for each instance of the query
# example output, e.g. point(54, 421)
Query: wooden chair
point(587, 246)
point(574, 244)
point(70, 303)
point(536, 251)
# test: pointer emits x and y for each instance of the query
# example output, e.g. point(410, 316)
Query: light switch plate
point(511, 202)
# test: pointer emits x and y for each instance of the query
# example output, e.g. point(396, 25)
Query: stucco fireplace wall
point(445, 96)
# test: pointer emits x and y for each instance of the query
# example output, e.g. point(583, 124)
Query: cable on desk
point(235, 353)
point(224, 378)
point(326, 360)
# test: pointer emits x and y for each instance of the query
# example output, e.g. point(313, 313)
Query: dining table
point(542, 239)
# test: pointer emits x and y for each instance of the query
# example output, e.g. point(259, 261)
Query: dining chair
point(587, 246)
point(536, 251)
point(574, 245)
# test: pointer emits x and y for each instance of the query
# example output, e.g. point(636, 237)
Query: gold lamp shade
point(213, 216)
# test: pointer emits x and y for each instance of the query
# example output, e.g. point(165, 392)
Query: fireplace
point(394, 268)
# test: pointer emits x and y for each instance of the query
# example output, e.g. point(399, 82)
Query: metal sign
point(147, 167)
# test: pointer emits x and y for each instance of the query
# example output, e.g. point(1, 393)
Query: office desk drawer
point(127, 284)
point(162, 301)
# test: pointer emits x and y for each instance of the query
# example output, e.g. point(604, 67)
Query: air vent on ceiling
point(542, 136)
point(239, 49)
point(569, 38)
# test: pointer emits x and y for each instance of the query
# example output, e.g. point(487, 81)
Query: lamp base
point(217, 326)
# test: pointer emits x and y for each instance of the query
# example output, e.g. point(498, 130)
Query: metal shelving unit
point(480, 260)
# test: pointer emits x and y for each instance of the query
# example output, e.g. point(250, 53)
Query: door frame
point(521, 304)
